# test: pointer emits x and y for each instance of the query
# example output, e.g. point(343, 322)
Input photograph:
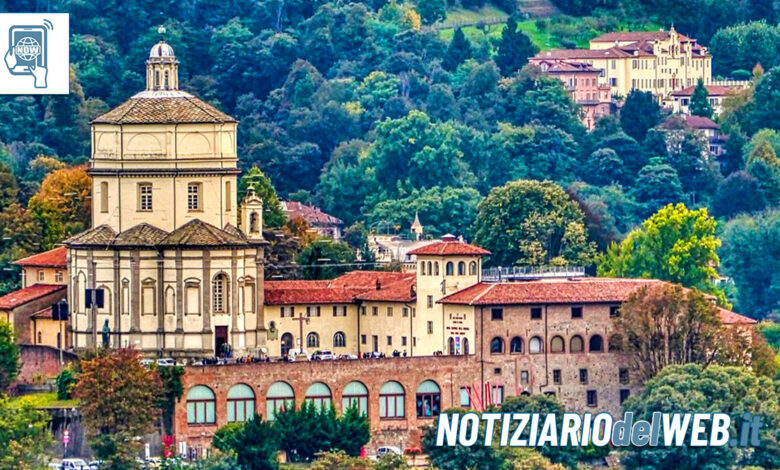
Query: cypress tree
point(458, 51)
point(700, 103)
point(514, 49)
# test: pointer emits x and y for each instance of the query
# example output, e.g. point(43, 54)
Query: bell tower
point(252, 215)
point(162, 68)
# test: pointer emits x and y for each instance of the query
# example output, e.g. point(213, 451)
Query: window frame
point(197, 195)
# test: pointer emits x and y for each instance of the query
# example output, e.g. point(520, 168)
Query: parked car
point(96, 465)
point(54, 466)
point(74, 464)
point(166, 362)
point(323, 355)
point(385, 450)
point(295, 355)
point(348, 357)
point(147, 362)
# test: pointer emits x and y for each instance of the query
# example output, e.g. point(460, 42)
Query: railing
point(514, 273)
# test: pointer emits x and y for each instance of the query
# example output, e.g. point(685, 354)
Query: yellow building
point(177, 272)
point(657, 61)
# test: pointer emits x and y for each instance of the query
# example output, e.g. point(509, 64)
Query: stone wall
point(43, 360)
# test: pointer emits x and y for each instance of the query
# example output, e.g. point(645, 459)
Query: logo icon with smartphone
point(27, 54)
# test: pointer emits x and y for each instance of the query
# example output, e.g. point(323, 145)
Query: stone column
point(179, 301)
point(160, 310)
point(236, 330)
point(260, 329)
point(207, 343)
point(135, 298)
point(117, 302)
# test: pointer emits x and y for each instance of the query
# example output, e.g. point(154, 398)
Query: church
point(172, 265)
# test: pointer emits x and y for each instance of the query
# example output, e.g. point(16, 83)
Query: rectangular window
point(403, 340)
point(389, 340)
point(389, 311)
point(430, 327)
point(614, 311)
point(335, 310)
point(498, 395)
point(557, 376)
point(524, 377)
point(497, 314)
point(465, 401)
point(363, 339)
point(362, 310)
point(228, 198)
point(576, 312)
point(624, 394)
point(536, 313)
point(58, 276)
point(41, 276)
point(374, 311)
point(104, 197)
point(623, 376)
point(194, 196)
point(430, 301)
point(144, 197)
point(405, 311)
point(414, 342)
point(584, 376)
point(592, 398)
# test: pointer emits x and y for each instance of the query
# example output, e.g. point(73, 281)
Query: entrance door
point(287, 341)
point(220, 338)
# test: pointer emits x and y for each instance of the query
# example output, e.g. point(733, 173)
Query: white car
point(295, 355)
point(166, 362)
point(323, 355)
point(74, 464)
point(385, 450)
point(147, 362)
point(347, 357)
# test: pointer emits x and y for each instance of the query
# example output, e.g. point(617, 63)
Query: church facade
point(173, 269)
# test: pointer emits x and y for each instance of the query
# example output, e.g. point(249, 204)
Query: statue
point(106, 334)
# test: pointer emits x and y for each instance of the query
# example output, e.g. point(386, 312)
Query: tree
point(700, 103)
point(459, 457)
point(514, 49)
point(255, 443)
point(750, 259)
point(458, 51)
point(662, 324)
point(273, 215)
point(8, 188)
point(117, 407)
point(325, 259)
point(9, 355)
point(676, 244)
point(172, 390)
point(764, 166)
point(751, 198)
point(639, 113)
point(766, 102)
point(25, 436)
point(66, 379)
point(62, 205)
point(657, 185)
point(431, 11)
point(604, 167)
point(533, 223)
point(696, 388)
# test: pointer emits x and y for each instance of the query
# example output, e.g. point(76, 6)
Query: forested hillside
point(378, 109)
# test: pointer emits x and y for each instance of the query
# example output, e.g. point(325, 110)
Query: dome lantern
point(162, 68)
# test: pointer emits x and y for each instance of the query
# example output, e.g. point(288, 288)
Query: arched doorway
point(452, 346)
point(287, 344)
point(465, 346)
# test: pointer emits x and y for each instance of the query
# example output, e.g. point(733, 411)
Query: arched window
point(392, 401)
point(355, 395)
point(466, 346)
point(557, 345)
point(461, 269)
point(596, 344)
point(156, 80)
point(576, 345)
point(280, 397)
point(430, 268)
point(450, 343)
point(615, 343)
point(473, 268)
point(201, 405)
point(449, 268)
point(286, 343)
point(167, 81)
point(319, 394)
point(253, 222)
point(422, 268)
point(428, 399)
point(516, 345)
point(240, 403)
point(497, 345)
point(339, 340)
point(536, 346)
point(219, 292)
point(435, 268)
point(40, 338)
point(312, 340)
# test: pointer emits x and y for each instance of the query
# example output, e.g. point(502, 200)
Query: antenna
point(48, 25)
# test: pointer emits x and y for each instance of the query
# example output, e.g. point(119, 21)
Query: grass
point(458, 16)
point(43, 400)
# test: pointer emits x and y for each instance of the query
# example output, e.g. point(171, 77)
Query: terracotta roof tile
point(581, 54)
point(449, 247)
point(28, 294)
point(279, 294)
point(727, 317)
point(393, 287)
point(141, 235)
point(712, 90)
point(100, 235)
point(56, 258)
point(163, 108)
point(638, 36)
point(199, 233)
point(368, 279)
point(400, 291)
point(313, 215)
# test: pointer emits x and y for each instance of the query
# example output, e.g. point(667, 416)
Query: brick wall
point(43, 360)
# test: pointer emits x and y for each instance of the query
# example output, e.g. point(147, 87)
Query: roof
point(611, 53)
point(712, 90)
point(727, 317)
point(163, 107)
point(28, 294)
point(199, 233)
point(280, 294)
point(100, 235)
point(142, 234)
point(623, 36)
point(449, 247)
point(700, 122)
point(313, 215)
point(369, 279)
point(550, 291)
point(568, 66)
point(399, 291)
point(46, 313)
point(347, 288)
point(56, 258)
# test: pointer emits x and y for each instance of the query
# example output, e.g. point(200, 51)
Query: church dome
point(161, 49)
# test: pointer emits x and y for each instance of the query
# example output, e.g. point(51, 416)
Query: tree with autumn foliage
point(62, 205)
point(118, 402)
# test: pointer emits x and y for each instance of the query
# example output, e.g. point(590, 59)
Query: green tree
point(62, 205)
point(604, 167)
point(117, 407)
point(676, 244)
point(764, 166)
point(639, 113)
point(751, 198)
point(700, 102)
point(66, 379)
point(697, 388)
point(172, 390)
point(9, 355)
point(431, 11)
point(255, 443)
point(25, 436)
point(750, 259)
point(273, 215)
point(325, 259)
point(657, 185)
point(458, 51)
point(533, 223)
point(514, 49)
point(8, 188)
point(766, 102)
